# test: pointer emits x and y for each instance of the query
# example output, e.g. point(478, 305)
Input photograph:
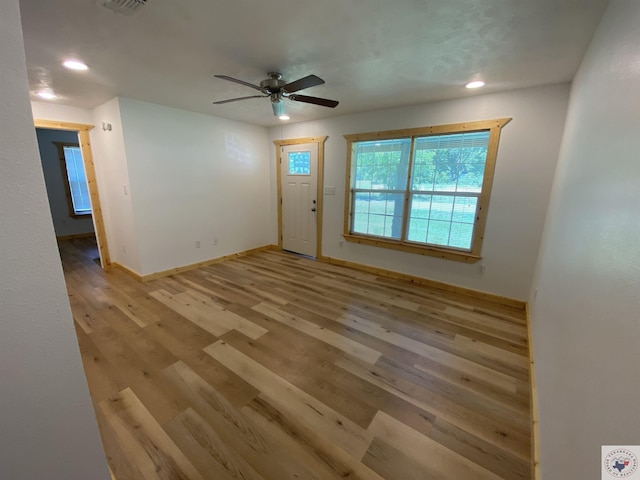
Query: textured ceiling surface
point(371, 53)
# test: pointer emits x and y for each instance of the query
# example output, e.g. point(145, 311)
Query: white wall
point(53, 111)
point(524, 172)
point(113, 180)
point(194, 177)
point(586, 317)
point(47, 427)
point(63, 222)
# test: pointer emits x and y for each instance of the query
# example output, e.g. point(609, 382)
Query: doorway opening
point(300, 168)
point(77, 204)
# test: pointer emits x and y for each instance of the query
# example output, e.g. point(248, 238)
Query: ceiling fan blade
point(302, 83)
point(239, 98)
point(241, 82)
point(315, 100)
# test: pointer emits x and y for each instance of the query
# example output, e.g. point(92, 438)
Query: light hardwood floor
point(274, 366)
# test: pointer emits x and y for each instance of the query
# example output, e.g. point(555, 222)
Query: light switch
point(329, 190)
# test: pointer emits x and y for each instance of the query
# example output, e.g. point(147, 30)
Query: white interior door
point(299, 171)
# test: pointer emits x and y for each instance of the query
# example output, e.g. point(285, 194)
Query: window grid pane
point(378, 213)
point(381, 165)
point(447, 176)
point(77, 180)
point(443, 220)
point(450, 163)
point(380, 171)
point(299, 163)
point(438, 232)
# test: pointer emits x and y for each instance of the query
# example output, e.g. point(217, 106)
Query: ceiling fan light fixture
point(278, 108)
point(284, 117)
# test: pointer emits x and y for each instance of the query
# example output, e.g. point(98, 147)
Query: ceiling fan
point(278, 89)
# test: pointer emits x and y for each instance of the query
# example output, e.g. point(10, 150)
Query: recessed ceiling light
point(75, 65)
point(284, 117)
point(46, 94)
point(476, 84)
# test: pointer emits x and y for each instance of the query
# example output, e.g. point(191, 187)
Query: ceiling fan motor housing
point(274, 84)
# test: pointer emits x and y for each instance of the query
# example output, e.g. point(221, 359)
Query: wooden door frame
point(92, 185)
point(319, 141)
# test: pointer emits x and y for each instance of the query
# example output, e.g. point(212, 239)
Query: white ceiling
point(371, 53)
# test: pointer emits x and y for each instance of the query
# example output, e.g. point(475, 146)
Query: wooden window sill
point(458, 256)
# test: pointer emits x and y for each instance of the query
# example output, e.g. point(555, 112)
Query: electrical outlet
point(124, 248)
point(215, 240)
point(197, 243)
point(483, 269)
point(340, 243)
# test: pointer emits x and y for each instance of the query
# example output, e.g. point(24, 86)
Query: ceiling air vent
point(123, 7)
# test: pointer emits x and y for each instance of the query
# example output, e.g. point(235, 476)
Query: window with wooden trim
point(74, 178)
point(423, 190)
